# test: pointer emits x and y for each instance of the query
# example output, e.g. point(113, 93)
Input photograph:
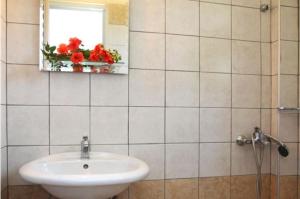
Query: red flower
point(74, 43)
point(94, 56)
point(108, 58)
point(77, 57)
point(99, 48)
point(63, 49)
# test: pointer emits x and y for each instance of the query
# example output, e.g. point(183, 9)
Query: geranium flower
point(74, 43)
point(63, 49)
point(94, 56)
point(108, 58)
point(99, 48)
point(77, 57)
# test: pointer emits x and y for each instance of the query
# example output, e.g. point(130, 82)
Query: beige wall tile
point(189, 154)
point(147, 15)
point(68, 124)
point(212, 57)
point(288, 127)
point(182, 188)
point(16, 43)
point(215, 20)
point(153, 155)
point(245, 24)
point(215, 124)
point(3, 168)
point(289, 57)
point(288, 165)
point(275, 30)
point(265, 20)
point(289, 23)
point(147, 50)
point(246, 91)
point(266, 117)
point(27, 86)
point(146, 125)
point(147, 190)
point(188, 49)
point(214, 159)
point(288, 91)
point(3, 82)
point(246, 57)
point(266, 93)
point(182, 88)
point(182, 17)
point(146, 88)
point(293, 3)
point(109, 90)
point(266, 58)
point(69, 89)
point(214, 187)
point(28, 125)
point(23, 11)
point(215, 90)
point(247, 3)
point(182, 129)
point(3, 126)
point(109, 125)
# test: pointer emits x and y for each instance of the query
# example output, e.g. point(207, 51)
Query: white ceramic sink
point(66, 176)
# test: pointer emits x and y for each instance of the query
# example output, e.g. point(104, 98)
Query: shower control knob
point(241, 140)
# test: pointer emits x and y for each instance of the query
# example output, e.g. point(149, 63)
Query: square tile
point(28, 125)
point(65, 149)
point(3, 40)
point(146, 125)
point(245, 24)
point(215, 125)
point(26, 85)
point(266, 94)
point(244, 121)
point(288, 127)
point(212, 57)
point(69, 89)
point(122, 149)
point(265, 20)
point(189, 155)
point(109, 125)
point(215, 20)
point(149, 54)
point(182, 89)
point(266, 65)
point(215, 90)
point(188, 49)
point(292, 3)
point(247, 3)
point(246, 57)
point(182, 188)
point(289, 23)
point(3, 82)
point(23, 11)
point(153, 155)
point(146, 88)
point(182, 17)
point(147, 15)
point(18, 156)
point(3, 126)
point(182, 125)
point(214, 159)
point(288, 90)
point(266, 118)
point(219, 1)
point(246, 91)
point(3, 168)
point(150, 189)
point(16, 43)
point(275, 30)
point(288, 165)
point(214, 187)
point(68, 124)
point(109, 90)
point(289, 57)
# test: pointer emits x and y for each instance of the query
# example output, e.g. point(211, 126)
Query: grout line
point(231, 102)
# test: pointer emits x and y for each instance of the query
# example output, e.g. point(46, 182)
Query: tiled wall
point(3, 99)
point(285, 73)
point(200, 74)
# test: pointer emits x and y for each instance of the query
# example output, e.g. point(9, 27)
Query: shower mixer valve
point(258, 137)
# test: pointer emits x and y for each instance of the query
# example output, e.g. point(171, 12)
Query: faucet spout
point(85, 148)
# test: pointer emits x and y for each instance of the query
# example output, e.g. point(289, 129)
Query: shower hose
point(259, 156)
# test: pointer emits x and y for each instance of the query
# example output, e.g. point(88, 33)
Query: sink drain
point(85, 166)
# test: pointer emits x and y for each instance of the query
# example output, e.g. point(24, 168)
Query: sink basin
point(66, 176)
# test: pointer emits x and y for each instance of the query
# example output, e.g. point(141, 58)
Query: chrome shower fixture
point(259, 137)
point(264, 7)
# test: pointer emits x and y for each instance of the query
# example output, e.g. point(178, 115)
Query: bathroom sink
point(67, 176)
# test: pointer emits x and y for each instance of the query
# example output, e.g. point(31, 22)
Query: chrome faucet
point(85, 148)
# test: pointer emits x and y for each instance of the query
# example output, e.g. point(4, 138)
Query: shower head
point(283, 150)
